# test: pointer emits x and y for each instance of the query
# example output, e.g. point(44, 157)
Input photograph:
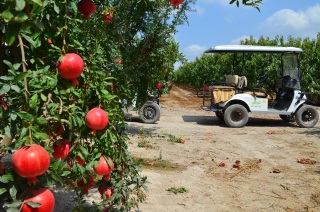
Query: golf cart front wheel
point(236, 116)
point(307, 116)
point(149, 113)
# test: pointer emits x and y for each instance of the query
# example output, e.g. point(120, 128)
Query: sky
point(215, 22)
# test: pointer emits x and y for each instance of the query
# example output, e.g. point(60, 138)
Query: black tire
point(287, 118)
point(149, 113)
point(236, 116)
point(307, 116)
point(219, 115)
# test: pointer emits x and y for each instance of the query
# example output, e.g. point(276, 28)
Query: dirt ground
point(189, 178)
point(271, 176)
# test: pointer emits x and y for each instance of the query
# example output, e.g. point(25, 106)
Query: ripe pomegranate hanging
point(107, 17)
point(42, 196)
point(70, 67)
point(103, 168)
point(158, 85)
point(96, 119)
point(61, 149)
point(176, 3)
point(30, 162)
point(86, 7)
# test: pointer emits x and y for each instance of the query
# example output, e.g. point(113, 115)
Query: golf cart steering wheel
point(263, 79)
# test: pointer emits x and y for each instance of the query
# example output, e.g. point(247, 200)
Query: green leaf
point(7, 15)
point(33, 204)
point(6, 178)
point(20, 77)
point(2, 190)
point(56, 8)
point(16, 88)
point(13, 192)
point(6, 78)
point(43, 97)
point(41, 121)
point(41, 136)
point(11, 34)
point(26, 116)
point(29, 39)
point(33, 101)
point(232, 1)
point(39, 2)
point(4, 89)
point(74, 7)
point(65, 173)
point(20, 4)
point(20, 17)
point(16, 66)
point(13, 204)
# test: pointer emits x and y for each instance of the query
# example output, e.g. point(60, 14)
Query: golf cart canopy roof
point(252, 49)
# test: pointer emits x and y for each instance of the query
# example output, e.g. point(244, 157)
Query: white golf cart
point(232, 102)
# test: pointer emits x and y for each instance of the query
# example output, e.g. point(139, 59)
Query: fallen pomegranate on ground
point(30, 162)
point(70, 67)
point(42, 196)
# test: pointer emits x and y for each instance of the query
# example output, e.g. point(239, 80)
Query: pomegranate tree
point(42, 196)
point(96, 119)
point(70, 67)
point(30, 162)
point(104, 168)
point(87, 8)
point(61, 149)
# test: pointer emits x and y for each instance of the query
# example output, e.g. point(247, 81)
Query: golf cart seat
point(222, 93)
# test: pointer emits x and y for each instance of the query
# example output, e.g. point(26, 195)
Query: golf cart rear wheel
point(287, 118)
point(307, 116)
point(149, 113)
point(220, 115)
point(236, 116)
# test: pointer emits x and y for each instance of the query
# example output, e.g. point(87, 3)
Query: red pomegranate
point(30, 162)
point(176, 3)
point(70, 67)
point(108, 18)
point(61, 149)
point(42, 196)
point(106, 191)
point(86, 184)
point(96, 119)
point(103, 168)
point(158, 85)
point(86, 7)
